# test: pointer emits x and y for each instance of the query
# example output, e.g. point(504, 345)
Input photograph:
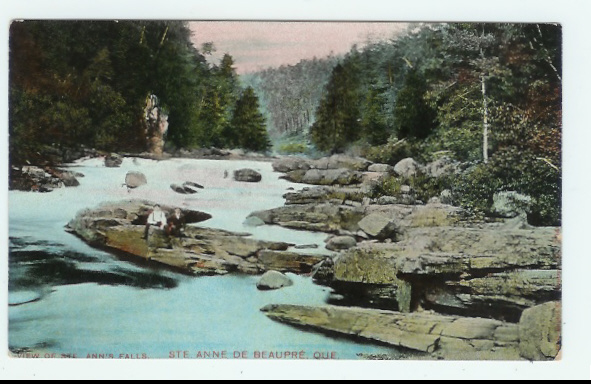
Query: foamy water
point(86, 301)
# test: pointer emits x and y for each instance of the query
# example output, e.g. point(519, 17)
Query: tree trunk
point(485, 122)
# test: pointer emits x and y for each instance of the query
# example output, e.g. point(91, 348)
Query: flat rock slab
point(119, 227)
point(448, 337)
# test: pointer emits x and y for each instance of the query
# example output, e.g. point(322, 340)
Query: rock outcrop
point(113, 160)
point(247, 175)
point(37, 179)
point(119, 227)
point(135, 179)
point(434, 335)
point(471, 271)
point(273, 280)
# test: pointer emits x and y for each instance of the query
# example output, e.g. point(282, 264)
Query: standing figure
point(156, 218)
point(176, 223)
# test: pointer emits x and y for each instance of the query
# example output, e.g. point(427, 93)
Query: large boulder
point(342, 161)
point(288, 164)
point(340, 176)
point(247, 175)
point(408, 167)
point(272, 280)
point(540, 331)
point(441, 167)
point(378, 226)
point(135, 179)
point(339, 243)
point(511, 204)
point(113, 160)
point(381, 168)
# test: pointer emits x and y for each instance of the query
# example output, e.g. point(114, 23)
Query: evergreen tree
point(248, 123)
point(413, 117)
point(337, 117)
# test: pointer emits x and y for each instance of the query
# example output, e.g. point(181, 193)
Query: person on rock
point(176, 223)
point(156, 218)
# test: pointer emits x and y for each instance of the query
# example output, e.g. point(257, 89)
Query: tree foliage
point(87, 82)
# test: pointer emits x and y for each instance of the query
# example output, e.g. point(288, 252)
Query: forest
point(486, 95)
point(86, 83)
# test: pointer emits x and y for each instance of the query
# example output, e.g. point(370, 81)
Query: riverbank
point(399, 255)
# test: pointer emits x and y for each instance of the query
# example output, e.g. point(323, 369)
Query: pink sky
point(263, 44)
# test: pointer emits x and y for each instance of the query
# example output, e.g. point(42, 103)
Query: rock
point(511, 204)
point(405, 189)
point(408, 167)
point(434, 200)
point(272, 280)
point(120, 226)
point(446, 197)
point(306, 246)
point(253, 221)
point(439, 336)
point(342, 161)
point(442, 167)
point(451, 268)
point(135, 179)
point(378, 226)
point(113, 161)
point(179, 189)
point(540, 331)
point(330, 177)
point(339, 243)
point(382, 168)
point(247, 175)
point(387, 200)
point(287, 261)
point(313, 217)
point(69, 178)
point(189, 190)
point(192, 185)
point(288, 164)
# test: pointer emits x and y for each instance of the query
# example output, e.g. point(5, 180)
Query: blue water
point(82, 301)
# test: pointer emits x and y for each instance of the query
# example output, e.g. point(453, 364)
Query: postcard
point(287, 191)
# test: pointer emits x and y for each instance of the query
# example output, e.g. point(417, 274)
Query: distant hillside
point(289, 95)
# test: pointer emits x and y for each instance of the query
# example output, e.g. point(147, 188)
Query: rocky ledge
point(436, 336)
point(119, 227)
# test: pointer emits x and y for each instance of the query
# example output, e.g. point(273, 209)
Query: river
point(69, 298)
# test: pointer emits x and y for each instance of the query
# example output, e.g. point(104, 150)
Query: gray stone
point(253, 221)
point(446, 197)
point(434, 200)
point(378, 226)
point(408, 167)
point(113, 161)
point(382, 168)
point(511, 204)
point(247, 175)
point(342, 161)
point(386, 200)
point(339, 243)
point(540, 331)
point(178, 189)
point(441, 167)
point(340, 176)
point(135, 179)
point(288, 164)
point(273, 280)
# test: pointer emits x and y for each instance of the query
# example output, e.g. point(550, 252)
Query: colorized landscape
point(392, 192)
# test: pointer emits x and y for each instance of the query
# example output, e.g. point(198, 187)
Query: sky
point(259, 45)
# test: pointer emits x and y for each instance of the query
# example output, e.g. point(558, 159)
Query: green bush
point(293, 148)
point(512, 170)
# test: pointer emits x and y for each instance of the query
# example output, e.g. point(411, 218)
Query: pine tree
point(337, 118)
point(413, 117)
point(248, 123)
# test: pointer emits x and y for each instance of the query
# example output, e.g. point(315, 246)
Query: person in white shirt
point(156, 218)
